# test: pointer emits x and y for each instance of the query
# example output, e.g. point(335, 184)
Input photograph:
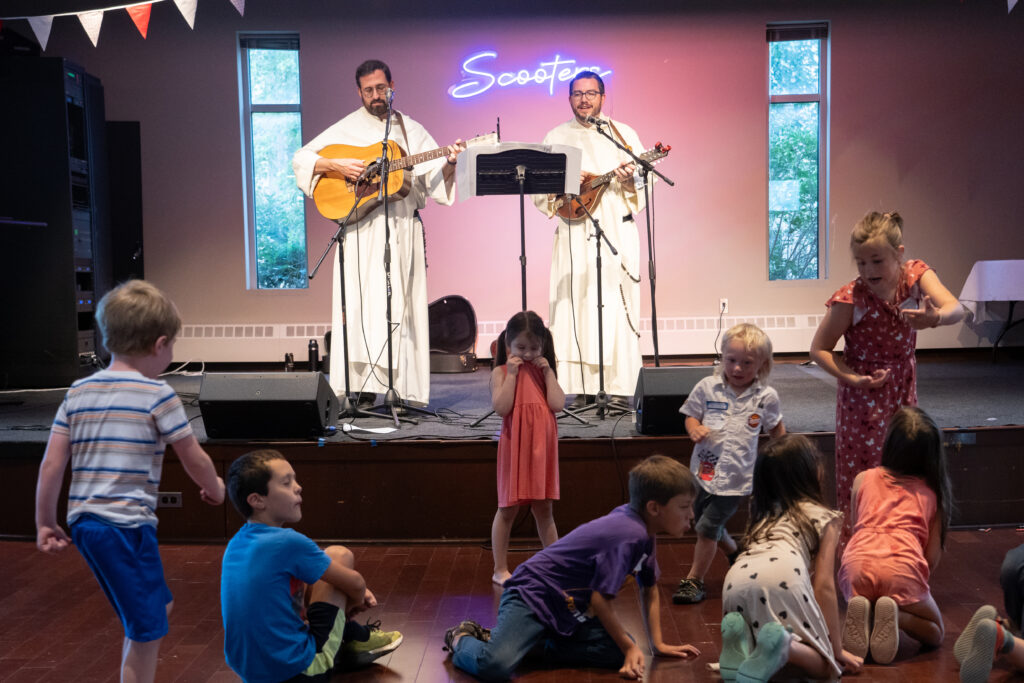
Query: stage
point(435, 479)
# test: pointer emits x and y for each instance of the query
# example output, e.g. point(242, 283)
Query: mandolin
point(335, 197)
point(592, 187)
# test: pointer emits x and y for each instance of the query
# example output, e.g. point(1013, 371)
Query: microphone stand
point(601, 402)
point(646, 169)
point(392, 403)
point(345, 407)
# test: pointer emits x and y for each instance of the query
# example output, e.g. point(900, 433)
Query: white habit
point(365, 292)
point(573, 305)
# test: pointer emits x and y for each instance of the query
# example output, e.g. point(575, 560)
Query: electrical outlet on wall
point(168, 499)
point(723, 305)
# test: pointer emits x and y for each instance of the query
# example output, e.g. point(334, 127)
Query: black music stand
point(522, 169)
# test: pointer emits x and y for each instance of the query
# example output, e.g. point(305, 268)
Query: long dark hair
point(529, 322)
point(913, 447)
point(787, 472)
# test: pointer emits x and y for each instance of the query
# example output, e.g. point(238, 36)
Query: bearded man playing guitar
point(320, 169)
point(573, 291)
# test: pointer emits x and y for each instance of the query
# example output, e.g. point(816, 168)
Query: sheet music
point(465, 173)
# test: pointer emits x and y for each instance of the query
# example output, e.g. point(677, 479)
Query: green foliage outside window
point(793, 161)
point(278, 211)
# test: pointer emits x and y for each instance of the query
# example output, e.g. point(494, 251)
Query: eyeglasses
point(380, 90)
point(589, 94)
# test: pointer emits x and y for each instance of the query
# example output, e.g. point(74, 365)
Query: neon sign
point(476, 80)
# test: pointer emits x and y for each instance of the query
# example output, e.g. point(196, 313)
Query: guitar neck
point(607, 177)
point(406, 162)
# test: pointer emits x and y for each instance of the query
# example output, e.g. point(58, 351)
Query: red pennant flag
point(140, 15)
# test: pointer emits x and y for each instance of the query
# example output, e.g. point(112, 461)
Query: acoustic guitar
point(592, 187)
point(334, 197)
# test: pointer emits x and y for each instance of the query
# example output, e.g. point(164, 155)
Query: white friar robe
point(365, 291)
point(573, 293)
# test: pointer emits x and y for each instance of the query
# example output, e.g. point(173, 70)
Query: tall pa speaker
point(279, 405)
point(660, 393)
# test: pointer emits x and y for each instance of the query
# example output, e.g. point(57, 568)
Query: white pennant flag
point(188, 10)
point(41, 27)
point(240, 6)
point(91, 23)
point(1010, 4)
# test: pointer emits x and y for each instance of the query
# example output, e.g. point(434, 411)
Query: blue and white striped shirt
point(118, 424)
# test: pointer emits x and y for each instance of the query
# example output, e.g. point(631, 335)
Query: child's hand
point(51, 539)
point(872, 381)
point(682, 651)
point(850, 663)
point(634, 664)
point(213, 496)
point(699, 433)
point(542, 363)
point(512, 365)
point(369, 600)
point(923, 318)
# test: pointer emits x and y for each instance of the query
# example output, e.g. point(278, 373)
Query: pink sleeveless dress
point(528, 446)
point(885, 556)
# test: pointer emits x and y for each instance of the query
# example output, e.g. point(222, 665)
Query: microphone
point(594, 121)
point(389, 95)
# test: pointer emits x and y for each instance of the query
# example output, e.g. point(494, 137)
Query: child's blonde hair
point(883, 228)
point(754, 341)
point(133, 315)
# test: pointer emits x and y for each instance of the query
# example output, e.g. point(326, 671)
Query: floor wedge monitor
point(660, 393)
point(273, 405)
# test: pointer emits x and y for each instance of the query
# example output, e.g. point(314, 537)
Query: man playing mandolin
point(327, 169)
point(573, 292)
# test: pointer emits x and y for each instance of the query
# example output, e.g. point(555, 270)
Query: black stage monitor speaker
point(660, 393)
point(278, 405)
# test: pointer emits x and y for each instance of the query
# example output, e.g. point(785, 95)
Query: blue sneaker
point(770, 655)
point(737, 642)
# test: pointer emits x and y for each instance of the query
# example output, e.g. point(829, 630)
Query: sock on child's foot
point(1004, 640)
point(355, 631)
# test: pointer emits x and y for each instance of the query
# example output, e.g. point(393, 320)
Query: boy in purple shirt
point(561, 597)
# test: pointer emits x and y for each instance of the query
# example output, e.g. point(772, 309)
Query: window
point(271, 123)
point(797, 116)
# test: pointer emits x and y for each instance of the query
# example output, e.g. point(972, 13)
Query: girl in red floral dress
point(878, 315)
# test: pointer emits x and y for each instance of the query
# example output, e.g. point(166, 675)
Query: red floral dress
point(879, 337)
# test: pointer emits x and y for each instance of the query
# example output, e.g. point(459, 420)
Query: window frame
point(246, 40)
point(808, 30)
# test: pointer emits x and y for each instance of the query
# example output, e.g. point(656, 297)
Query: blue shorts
point(712, 512)
point(126, 562)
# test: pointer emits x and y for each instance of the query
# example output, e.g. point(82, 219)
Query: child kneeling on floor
point(284, 601)
point(560, 599)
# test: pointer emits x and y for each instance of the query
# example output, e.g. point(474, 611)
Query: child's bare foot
point(499, 578)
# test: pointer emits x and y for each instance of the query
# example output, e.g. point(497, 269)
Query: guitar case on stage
point(452, 335)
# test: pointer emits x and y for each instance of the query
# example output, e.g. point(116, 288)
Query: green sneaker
point(360, 653)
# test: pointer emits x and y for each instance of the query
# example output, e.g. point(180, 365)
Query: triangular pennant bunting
point(91, 22)
point(140, 15)
point(41, 27)
point(240, 6)
point(188, 10)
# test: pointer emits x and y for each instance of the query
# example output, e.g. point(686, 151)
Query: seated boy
point(113, 427)
point(284, 601)
point(560, 598)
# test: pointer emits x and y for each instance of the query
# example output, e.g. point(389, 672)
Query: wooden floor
point(55, 624)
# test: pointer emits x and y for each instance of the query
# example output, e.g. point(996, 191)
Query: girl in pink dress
point(525, 392)
point(900, 512)
point(878, 315)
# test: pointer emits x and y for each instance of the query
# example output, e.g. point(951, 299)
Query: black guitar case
point(452, 335)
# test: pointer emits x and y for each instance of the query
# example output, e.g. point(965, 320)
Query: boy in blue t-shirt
point(284, 601)
point(113, 427)
point(561, 597)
